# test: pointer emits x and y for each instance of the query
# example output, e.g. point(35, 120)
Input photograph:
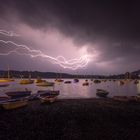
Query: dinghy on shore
point(13, 104)
point(48, 96)
point(101, 93)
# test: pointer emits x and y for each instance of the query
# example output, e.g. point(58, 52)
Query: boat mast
point(8, 72)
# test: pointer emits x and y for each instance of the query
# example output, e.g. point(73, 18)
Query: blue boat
point(18, 94)
point(48, 92)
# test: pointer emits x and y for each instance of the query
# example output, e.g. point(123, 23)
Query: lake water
point(77, 90)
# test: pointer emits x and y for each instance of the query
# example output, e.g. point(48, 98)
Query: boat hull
point(45, 84)
point(14, 104)
point(18, 94)
point(6, 80)
point(48, 99)
point(101, 93)
point(24, 82)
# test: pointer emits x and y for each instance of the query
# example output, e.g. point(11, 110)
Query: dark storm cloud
point(95, 19)
point(113, 25)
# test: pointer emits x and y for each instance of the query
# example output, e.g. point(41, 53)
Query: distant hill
point(136, 72)
point(35, 74)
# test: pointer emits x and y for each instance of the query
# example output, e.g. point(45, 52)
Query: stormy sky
point(108, 32)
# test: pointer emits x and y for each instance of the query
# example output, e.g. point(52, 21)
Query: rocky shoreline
point(72, 119)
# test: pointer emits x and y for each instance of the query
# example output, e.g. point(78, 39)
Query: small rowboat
point(86, 83)
point(4, 85)
point(76, 80)
point(97, 81)
point(48, 99)
point(48, 96)
point(101, 93)
point(48, 92)
point(13, 104)
point(18, 94)
point(67, 82)
point(59, 80)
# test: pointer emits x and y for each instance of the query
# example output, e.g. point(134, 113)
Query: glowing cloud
point(22, 49)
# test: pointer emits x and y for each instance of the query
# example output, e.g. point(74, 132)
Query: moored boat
point(18, 94)
point(13, 104)
point(59, 80)
point(26, 81)
point(48, 99)
point(4, 85)
point(97, 81)
point(86, 83)
point(45, 84)
point(6, 80)
point(121, 82)
point(67, 82)
point(48, 96)
point(39, 81)
point(136, 82)
point(4, 97)
point(101, 93)
point(48, 92)
point(75, 80)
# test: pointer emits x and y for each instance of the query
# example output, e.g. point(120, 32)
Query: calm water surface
point(77, 90)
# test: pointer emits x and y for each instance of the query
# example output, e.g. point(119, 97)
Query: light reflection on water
point(76, 90)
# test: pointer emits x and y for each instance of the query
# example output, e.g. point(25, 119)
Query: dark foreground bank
point(72, 120)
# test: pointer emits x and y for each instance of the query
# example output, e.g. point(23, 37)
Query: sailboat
point(27, 81)
point(8, 79)
point(59, 79)
point(76, 80)
point(39, 80)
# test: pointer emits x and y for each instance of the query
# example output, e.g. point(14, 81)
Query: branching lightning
point(60, 60)
point(9, 33)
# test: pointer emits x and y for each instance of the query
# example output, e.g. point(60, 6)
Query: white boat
point(101, 92)
point(48, 99)
point(48, 96)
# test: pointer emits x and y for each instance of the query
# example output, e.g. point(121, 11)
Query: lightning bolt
point(60, 60)
point(9, 33)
